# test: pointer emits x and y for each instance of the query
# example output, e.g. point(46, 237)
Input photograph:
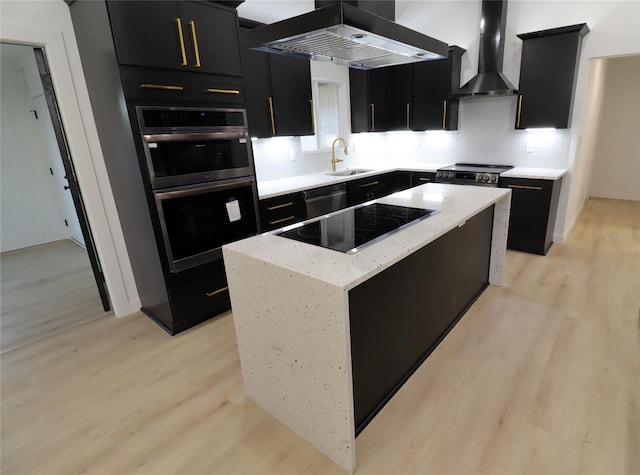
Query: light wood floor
point(540, 376)
point(43, 290)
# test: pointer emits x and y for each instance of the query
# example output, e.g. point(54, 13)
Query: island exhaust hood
point(344, 34)
point(490, 81)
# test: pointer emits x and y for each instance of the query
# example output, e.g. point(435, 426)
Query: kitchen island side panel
point(295, 351)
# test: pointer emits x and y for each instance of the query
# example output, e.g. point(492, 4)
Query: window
point(328, 111)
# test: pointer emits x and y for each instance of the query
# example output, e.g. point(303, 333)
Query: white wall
point(615, 172)
point(48, 24)
point(29, 214)
point(486, 132)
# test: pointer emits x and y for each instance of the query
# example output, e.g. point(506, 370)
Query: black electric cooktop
point(356, 228)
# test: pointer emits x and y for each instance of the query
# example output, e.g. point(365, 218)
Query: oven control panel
point(469, 178)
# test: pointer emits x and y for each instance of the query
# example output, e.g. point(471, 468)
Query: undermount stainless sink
point(349, 172)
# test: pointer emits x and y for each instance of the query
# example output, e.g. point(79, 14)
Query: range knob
point(485, 178)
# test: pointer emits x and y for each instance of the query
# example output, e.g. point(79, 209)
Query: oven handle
point(238, 133)
point(198, 189)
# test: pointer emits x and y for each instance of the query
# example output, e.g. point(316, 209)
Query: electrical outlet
point(529, 146)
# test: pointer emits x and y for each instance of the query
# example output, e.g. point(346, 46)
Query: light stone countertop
point(455, 203)
point(290, 303)
point(535, 173)
point(272, 188)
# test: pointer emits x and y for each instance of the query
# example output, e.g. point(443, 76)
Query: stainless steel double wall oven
point(201, 171)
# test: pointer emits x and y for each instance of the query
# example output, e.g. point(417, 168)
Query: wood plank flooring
point(43, 290)
point(540, 376)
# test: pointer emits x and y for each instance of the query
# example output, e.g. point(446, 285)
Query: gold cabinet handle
point(222, 91)
point(278, 221)
point(161, 86)
point(444, 114)
point(216, 292)
point(273, 122)
point(525, 187)
point(196, 50)
point(283, 205)
point(408, 109)
point(424, 179)
point(368, 184)
point(519, 111)
point(181, 38)
point(373, 116)
point(313, 116)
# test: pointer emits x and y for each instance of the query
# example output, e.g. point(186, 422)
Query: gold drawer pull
point(271, 116)
point(313, 116)
point(223, 91)
point(444, 115)
point(283, 205)
point(196, 50)
point(216, 292)
point(519, 111)
point(181, 38)
point(161, 86)
point(424, 179)
point(373, 116)
point(368, 184)
point(408, 114)
point(525, 187)
point(278, 221)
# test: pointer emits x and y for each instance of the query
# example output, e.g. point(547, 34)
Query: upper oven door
point(186, 146)
point(197, 220)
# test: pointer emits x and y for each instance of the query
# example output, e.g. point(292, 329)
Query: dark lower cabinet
point(421, 178)
point(282, 210)
point(534, 205)
point(399, 316)
point(377, 186)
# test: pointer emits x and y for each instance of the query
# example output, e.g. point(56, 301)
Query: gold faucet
point(335, 160)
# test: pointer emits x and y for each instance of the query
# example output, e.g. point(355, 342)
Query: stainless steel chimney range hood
point(490, 81)
point(344, 34)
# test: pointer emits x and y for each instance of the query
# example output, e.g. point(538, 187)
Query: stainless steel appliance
point(471, 174)
point(185, 145)
point(200, 168)
point(325, 200)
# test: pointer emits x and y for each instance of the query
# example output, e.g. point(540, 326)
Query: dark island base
point(400, 316)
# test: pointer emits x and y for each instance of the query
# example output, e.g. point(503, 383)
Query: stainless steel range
point(471, 174)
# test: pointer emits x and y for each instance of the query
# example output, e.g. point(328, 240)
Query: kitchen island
point(326, 338)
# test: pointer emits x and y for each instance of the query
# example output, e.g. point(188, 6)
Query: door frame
point(84, 145)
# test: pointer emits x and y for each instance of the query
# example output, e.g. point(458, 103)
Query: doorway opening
point(51, 278)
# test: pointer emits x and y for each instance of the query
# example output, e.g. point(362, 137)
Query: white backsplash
point(486, 135)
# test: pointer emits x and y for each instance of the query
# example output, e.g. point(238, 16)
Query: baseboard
point(615, 195)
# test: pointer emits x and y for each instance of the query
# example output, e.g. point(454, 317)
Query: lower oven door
point(197, 220)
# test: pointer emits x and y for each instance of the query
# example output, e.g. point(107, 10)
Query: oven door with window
point(177, 159)
point(197, 220)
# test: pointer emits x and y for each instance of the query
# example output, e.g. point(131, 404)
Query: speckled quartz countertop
point(455, 203)
point(290, 304)
point(271, 188)
point(535, 173)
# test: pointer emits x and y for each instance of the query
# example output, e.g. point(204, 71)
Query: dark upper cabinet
point(407, 97)
point(370, 93)
point(186, 36)
point(548, 72)
point(278, 91)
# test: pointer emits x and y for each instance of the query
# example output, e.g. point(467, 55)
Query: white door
point(50, 148)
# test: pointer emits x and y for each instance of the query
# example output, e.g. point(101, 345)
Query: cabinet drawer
point(282, 211)
point(149, 86)
point(200, 299)
point(420, 178)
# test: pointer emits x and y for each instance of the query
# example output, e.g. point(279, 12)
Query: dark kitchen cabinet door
point(401, 105)
point(281, 211)
point(187, 36)
point(548, 71)
point(534, 205)
point(433, 82)
point(278, 88)
point(359, 101)
point(367, 189)
point(291, 92)
point(421, 178)
point(370, 100)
